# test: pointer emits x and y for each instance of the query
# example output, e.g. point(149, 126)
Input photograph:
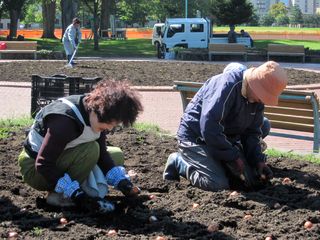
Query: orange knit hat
point(267, 81)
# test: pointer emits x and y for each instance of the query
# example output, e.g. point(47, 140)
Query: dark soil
point(139, 73)
point(279, 210)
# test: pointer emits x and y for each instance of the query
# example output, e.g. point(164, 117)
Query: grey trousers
point(203, 171)
point(206, 172)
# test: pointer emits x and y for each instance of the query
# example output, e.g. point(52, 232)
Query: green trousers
point(77, 162)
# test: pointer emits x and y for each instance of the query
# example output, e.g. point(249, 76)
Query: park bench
point(240, 40)
point(285, 50)
point(297, 111)
point(227, 49)
point(19, 47)
point(44, 90)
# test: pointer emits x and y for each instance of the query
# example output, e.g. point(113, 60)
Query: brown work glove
point(91, 204)
point(264, 171)
point(236, 168)
point(127, 188)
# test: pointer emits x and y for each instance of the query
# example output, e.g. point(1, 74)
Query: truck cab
point(156, 33)
point(184, 32)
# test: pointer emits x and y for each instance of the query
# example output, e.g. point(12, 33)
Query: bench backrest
point(285, 48)
point(21, 45)
point(240, 40)
point(226, 47)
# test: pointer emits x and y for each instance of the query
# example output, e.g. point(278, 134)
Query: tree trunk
point(95, 26)
point(105, 13)
point(14, 16)
point(69, 10)
point(48, 14)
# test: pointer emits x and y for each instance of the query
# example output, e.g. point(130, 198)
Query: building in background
point(306, 6)
point(262, 6)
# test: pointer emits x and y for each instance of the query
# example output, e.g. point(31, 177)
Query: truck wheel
point(159, 53)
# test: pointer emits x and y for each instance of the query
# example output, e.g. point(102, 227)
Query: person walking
point(65, 149)
point(220, 132)
point(71, 38)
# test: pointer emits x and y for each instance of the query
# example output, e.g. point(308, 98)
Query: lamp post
point(186, 8)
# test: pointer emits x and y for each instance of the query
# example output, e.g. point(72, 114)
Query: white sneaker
point(58, 200)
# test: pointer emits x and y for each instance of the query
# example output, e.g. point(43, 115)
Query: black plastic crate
point(44, 90)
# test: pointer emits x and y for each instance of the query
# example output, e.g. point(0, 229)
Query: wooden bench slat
point(295, 104)
point(289, 111)
point(285, 50)
point(227, 49)
point(292, 126)
point(289, 118)
point(17, 51)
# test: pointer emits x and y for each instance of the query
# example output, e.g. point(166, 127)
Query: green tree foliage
point(312, 20)
point(32, 13)
point(266, 20)
point(162, 9)
point(278, 9)
point(254, 21)
point(133, 11)
point(295, 15)
point(282, 20)
point(231, 12)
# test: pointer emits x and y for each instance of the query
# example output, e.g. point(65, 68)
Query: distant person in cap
point(243, 33)
point(72, 38)
point(220, 131)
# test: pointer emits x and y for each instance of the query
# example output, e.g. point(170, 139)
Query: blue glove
point(66, 186)
point(83, 201)
point(115, 175)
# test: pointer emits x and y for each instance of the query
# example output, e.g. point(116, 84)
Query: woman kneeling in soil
point(65, 151)
point(220, 132)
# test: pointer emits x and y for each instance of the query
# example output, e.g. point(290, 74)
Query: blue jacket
point(219, 116)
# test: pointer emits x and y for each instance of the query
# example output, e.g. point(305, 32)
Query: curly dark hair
point(114, 101)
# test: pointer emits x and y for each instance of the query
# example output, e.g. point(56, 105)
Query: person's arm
point(116, 176)
point(251, 139)
point(215, 107)
point(79, 35)
point(105, 161)
point(60, 131)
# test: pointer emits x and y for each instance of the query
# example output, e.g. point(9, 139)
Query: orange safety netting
point(147, 34)
point(86, 33)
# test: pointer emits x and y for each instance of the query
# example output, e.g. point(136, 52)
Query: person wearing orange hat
point(220, 130)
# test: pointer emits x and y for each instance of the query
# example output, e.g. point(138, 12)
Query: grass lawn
point(107, 48)
point(312, 45)
point(143, 47)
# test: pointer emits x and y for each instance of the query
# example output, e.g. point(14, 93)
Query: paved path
point(162, 107)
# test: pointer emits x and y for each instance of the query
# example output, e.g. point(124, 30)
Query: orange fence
point(147, 34)
point(86, 33)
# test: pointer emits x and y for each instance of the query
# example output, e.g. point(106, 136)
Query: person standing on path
point(220, 131)
point(66, 147)
point(72, 38)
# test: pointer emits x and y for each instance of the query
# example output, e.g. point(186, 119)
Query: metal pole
point(186, 8)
